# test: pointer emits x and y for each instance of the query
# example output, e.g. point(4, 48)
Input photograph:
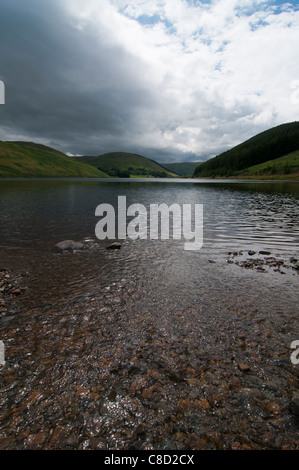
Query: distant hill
point(121, 164)
point(28, 159)
point(268, 145)
point(182, 168)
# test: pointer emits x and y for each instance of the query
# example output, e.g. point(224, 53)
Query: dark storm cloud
point(61, 85)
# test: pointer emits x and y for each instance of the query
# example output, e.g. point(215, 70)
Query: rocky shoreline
point(106, 371)
point(263, 261)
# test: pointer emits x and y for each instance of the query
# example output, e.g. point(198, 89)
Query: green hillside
point(27, 159)
point(182, 168)
point(121, 164)
point(268, 145)
point(286, 166)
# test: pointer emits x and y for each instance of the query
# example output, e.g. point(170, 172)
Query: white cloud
point(218, 55)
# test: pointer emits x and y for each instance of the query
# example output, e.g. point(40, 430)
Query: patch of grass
point(286, 167)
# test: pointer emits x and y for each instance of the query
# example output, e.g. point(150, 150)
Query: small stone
point(55, 433)
point(193, 382)
point(82, 392)
point(260, 269)
point(182, 404)
point(273, 408)
point(16, 291)
point(146, 393)
point(114, 246)
point(181, 437)
point(244, 367)
point(94, 396)
point(68, 245)
point(71, 440)
point(251, 253)
point(35, 396)
point(203, 402)
point(35, 440)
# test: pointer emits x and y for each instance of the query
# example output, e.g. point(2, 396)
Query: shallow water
point(139, 347)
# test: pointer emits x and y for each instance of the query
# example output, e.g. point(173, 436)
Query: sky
point(173, 80)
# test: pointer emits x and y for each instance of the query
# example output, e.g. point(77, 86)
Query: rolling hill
point(30, 160)
point(121, 164)
point(275, 143)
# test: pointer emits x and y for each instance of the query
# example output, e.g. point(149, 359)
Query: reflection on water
point(39, 212)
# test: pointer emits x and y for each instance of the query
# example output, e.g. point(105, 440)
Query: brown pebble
point(204, 403)
point(34, 397)
point(193, 382)
point(35, 440)
point(55, 434)
point(244, 367)
point(273, 408)
point(94, 396)
point(16, 292)
point(82, 391)
point(183, 404)
point(146, 393)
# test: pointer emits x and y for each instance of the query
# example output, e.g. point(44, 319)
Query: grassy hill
point(27, 159)
point(267, 146)
point(182, 168)
point(279, 168)
point(121, 164)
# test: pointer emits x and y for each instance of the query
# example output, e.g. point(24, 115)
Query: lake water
point(140, 347)
point(236, 214)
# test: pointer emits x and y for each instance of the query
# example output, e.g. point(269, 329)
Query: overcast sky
point(173, 80)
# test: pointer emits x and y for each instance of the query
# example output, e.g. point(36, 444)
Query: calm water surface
point(38, 213)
